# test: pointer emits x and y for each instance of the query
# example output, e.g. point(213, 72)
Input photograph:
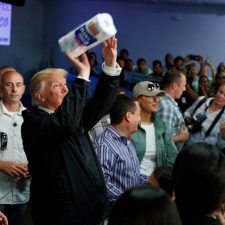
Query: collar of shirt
point(46, 109)
point(171, 99)
point(118, 135)
point(4, 110)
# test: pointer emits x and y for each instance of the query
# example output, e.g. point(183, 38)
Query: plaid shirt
point(170, 113)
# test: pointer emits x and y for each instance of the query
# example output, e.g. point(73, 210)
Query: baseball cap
point(147, 88)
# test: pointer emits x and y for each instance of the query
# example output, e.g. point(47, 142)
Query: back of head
point(39, 80)
point(144, 205)
point(163, 175)
point(120, 107)
point(171, 77)
point(199, 183)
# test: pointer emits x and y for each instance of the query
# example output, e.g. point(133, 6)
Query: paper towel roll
point(88, 35)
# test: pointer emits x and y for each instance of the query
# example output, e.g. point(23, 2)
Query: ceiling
point(207, 3)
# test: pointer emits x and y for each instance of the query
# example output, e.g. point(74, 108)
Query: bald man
point(14, 176)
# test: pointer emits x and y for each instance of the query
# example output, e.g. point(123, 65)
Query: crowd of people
point(146, 146)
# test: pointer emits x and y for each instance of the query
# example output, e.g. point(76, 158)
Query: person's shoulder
point(104, 137)
point(159, 123)
point(164, 98)
point(34, 110)
point(165, 102)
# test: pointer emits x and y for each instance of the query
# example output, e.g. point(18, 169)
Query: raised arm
point(109, 52)
point(81, 64)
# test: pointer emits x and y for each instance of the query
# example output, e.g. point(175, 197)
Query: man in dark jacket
point(67, 186)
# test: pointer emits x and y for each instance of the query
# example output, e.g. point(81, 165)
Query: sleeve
point(112, 71)
point(102, 100)
point(165, 112)
point(144, 178)
point(108, 160)
point(171, 149)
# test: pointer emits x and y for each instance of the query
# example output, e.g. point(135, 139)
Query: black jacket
point(67, 186)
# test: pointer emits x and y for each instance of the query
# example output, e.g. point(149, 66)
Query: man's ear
point(128, 116)
point(174, 85)
point(40, 97)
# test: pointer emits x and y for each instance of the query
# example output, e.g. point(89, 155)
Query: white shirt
point(148, 162)
point(13, 190)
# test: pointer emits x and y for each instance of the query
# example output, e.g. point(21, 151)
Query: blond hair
point(39, 80)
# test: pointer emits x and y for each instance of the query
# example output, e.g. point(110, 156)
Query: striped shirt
point(119, 162)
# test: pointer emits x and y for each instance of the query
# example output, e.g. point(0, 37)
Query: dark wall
point(146, 30)
point(25, 51)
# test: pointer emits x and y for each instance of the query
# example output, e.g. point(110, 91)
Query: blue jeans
point(14, 213)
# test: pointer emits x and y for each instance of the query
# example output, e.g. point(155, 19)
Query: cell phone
point(195, 57)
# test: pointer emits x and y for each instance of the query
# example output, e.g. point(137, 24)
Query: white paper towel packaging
point(88, 35)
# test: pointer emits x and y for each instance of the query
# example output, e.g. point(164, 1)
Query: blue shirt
point(119, 162)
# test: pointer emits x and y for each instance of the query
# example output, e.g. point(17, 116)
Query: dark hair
point(120, 107)
point(144, 205)
point(171, 77)
point(140, 60)
point(128, 60)
point(178, 58)
point(123, 50)
point(203, 77)
point(199, 181)
point(156, 62)
point(163, 174)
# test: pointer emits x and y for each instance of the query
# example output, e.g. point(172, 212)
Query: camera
point(3, 141)
point(194, 123)
point(195, 57)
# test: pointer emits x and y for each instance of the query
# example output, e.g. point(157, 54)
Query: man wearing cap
point(152, 140)
point(174, 84)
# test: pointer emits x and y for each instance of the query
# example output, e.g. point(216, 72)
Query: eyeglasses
point(152, 86)
point(3, 140)
point(221, 78)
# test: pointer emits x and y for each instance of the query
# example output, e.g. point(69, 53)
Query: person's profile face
point(55, 91)
point(220, 96)
point(180, 87)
